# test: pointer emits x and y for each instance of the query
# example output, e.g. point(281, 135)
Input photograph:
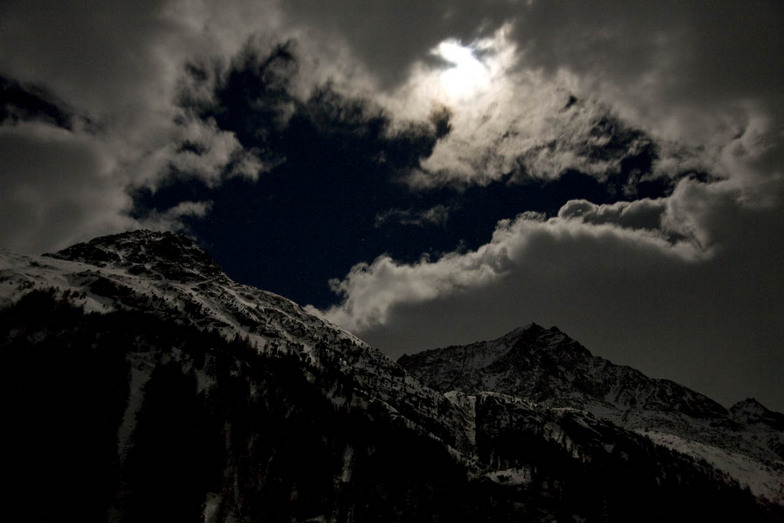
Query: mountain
point(140, 383)
point(546, 367)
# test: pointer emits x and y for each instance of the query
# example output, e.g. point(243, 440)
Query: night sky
point(429, 173)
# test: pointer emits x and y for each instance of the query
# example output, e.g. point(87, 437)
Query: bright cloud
point(465, 75)
point(373, 291)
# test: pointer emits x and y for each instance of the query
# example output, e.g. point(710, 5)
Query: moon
point(466, 75)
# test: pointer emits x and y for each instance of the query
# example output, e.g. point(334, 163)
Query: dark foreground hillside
point(259, 443)
point(211, 430)
point(140, 384)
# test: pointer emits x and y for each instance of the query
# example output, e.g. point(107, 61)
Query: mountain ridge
point(546, 367)
point(297, 419)
point(160, 271)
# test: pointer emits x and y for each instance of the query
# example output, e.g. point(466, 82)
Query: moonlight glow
point(466, 75)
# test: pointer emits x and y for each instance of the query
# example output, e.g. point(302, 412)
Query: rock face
point(156, 255)
point(140, 383)
point(547, 367)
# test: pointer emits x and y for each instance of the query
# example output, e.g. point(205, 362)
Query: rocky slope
point(168, 275)
point(140, 383)
point(548, 368)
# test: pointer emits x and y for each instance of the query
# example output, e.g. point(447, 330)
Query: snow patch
point(348, 459)
point(761, 479)
point(141, 371)
point(511, 476)
point(211, 506)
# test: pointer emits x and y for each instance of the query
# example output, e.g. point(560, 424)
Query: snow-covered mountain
point(546, 367)
point(140, 383)
point(170, 276)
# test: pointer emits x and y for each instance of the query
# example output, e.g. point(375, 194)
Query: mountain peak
point(749, 404)
point(534, 337)
point(153, 253)
point(531, 329)
point(752, 411)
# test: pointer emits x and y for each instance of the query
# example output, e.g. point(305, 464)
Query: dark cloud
point(25, 103)
point(56, 188)
point(676, 65)
point(94, 55)
point(640, 214)
point(722, 46)
point(440, 117)
point(390, 37)
point(437, 216)
point(253, 99)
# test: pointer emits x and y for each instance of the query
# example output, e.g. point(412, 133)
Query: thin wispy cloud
point(437, 215)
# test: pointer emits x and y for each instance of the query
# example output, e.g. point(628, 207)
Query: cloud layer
point(653, 134)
